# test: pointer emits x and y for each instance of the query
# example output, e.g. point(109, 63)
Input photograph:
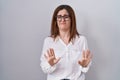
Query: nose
point(63, 19)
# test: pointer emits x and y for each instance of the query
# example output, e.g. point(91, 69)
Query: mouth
point(62, 23)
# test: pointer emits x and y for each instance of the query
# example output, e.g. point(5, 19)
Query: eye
point(59, 16)
point(66, 16)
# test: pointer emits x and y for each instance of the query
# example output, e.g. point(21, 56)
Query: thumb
point(79, 62)
point(56, 61)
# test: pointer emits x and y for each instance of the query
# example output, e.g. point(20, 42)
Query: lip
point(62, 23)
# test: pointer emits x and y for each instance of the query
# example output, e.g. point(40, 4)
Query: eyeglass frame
point(65, 17)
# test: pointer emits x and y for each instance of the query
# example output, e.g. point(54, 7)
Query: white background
point(25, 23)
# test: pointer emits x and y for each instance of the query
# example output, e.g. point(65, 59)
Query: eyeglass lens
point(60, 17)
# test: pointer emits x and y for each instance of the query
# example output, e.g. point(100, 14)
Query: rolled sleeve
point(46, 67)
point(85, 69)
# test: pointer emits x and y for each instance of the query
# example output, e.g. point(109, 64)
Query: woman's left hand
point(86, 58)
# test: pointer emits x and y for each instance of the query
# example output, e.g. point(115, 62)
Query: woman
point(65, 54)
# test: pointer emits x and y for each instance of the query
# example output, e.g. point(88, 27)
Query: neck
point(64, 34)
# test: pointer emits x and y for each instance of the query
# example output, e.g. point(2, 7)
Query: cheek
point(69, 24)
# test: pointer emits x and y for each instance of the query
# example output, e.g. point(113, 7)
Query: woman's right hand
point(50, 56)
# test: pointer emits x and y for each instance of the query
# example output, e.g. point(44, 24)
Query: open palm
point(86, 58)
point(50, 56)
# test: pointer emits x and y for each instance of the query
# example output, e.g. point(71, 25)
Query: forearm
point(85, 69)
point(47, 68)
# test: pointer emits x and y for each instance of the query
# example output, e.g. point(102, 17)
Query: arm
point(85, 62)
point(46, 67)
point(85, 69)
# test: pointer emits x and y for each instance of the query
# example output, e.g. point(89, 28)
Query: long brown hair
point(54, 26)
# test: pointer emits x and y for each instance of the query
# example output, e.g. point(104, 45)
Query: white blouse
point(67, 67)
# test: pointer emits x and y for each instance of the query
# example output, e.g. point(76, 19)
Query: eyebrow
point(63, 15)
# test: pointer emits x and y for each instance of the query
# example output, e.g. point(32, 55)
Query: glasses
point(65, 17)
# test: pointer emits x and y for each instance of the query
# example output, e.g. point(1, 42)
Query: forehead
point(62, 12)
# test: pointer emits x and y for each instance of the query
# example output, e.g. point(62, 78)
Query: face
point(63, 20)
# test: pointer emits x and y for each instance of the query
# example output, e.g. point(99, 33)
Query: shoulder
point(81, 38)
point(82, 42)
point(48, 39)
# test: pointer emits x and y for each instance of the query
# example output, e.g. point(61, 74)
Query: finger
point(87, 62)
point(91, 55)
point(87, 53)
point(83, 54)
point(48, 53)
point(89, 59)
point(79, 62)
point(53, 52)
point(56, 61)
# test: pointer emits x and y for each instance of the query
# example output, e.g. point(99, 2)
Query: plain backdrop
point(25, 23)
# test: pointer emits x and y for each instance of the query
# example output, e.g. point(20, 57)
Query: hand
point(86, 58)
point(50, 56)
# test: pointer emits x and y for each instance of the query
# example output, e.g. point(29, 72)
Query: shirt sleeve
point(85, 47)
point(85, 69)
point(46, 67)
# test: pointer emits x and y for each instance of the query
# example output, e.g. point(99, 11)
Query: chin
point(64, 29)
